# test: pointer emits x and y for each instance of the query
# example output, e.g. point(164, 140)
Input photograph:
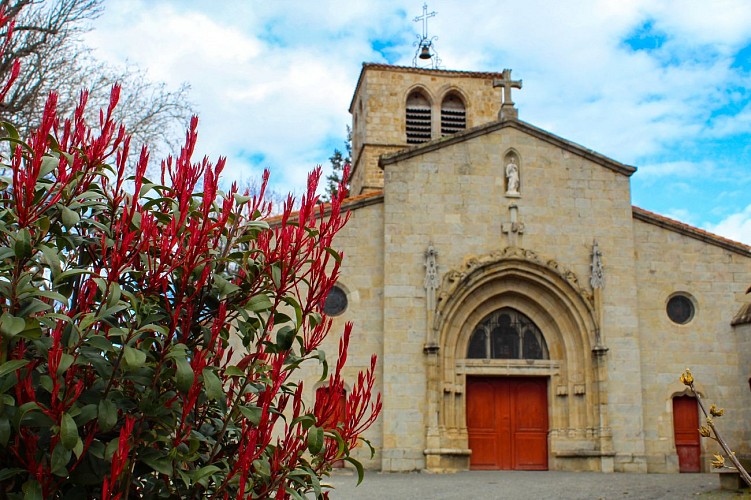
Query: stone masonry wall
point(361, 243)
point(716, 279)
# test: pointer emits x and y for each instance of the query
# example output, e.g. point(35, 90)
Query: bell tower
point(396, 107)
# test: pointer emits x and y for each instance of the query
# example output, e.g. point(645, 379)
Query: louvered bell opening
point(453, 115)
point(418, 125)
point(453, 121)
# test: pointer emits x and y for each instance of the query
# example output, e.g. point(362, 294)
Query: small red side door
point(686, 428)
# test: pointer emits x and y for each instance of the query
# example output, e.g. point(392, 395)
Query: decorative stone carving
point(513, 228)
point(431, 275)
point(597, 280)
point(473, 266)
point(579, 389)
point(431, 283)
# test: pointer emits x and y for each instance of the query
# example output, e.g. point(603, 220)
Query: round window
point(680, 309)
point(336, 302)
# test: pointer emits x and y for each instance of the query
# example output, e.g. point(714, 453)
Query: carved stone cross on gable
point(506, 83)
point(513, 228)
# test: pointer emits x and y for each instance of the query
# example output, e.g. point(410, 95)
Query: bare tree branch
point(47, 41)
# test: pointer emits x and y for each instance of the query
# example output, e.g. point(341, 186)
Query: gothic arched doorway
point(489, 323)
point(507, 417)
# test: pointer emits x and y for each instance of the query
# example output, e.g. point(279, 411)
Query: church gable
point(521, 126)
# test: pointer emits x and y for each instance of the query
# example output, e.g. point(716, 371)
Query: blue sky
point(661, 85)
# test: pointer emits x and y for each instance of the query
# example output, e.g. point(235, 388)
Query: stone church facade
point(524, 313)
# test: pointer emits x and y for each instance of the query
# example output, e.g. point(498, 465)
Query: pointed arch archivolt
point(541, 288)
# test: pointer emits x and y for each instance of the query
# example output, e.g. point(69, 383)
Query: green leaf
point(70, 217)
point(22, 248)
point(11, 325)
point(49, 164)
point(336, 255)
point(276, 276)
point(213, 385)
point(32, 329)
point(262, 467)
point(100, 342)
point(65, 361)
point(88, 413)
point(252, 413)
point(78, 448)
point(134, 357)
point(71, 272)
point(204, 472)
point(358, 467)
point(31, 307)
point(13, 365)
point(184, 375)
point(259, 303)
point(68, 431)
point(106, 415)
point(10, 130)
point(284, 337)
point(224, 287)
point(6, 474)
point(32, 490)
point(59, 460)
point(315, 440)
point(234, 371)
point(4, 431)
point(52, 258)
point(163, 465)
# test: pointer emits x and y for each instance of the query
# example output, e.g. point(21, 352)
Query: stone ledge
point(582, 453)
point(447, 451)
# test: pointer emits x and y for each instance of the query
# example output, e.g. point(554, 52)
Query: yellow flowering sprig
point(687, 378)
point(708, 430)
point(716, 412)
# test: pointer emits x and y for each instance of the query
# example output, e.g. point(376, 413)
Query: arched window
point(418, 118)
point(453, 115)
point(507, 334)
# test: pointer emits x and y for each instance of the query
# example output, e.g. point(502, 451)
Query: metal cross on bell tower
point(425, 53)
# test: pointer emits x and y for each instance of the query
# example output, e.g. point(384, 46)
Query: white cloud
point(275, 78)
point(736, 226)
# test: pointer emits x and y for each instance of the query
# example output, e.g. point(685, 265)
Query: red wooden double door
point(507, 422)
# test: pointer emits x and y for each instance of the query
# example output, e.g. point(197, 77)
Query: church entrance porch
point(507, 423)
point(517, 375)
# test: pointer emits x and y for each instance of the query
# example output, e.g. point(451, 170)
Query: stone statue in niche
point(512, 178)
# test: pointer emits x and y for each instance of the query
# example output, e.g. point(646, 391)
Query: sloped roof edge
point(351, 203)
point(525, 127)
point(690, 231)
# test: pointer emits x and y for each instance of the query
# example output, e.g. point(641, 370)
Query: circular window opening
point(336, 302)
point(680, 309)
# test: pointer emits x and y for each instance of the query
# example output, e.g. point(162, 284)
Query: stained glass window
point(507, 334)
